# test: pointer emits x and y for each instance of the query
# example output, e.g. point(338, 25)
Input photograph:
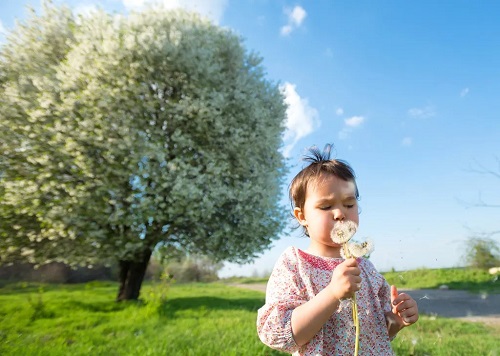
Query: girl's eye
point(325, 207)
point(349, 206)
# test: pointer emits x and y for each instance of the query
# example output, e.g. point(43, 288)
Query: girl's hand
point(404, 312)
point(404, 306)
point(346, 279)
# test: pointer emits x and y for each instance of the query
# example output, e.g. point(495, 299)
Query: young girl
point(306, 311)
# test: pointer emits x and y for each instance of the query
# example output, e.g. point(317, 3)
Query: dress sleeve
point(285, 292)
point(384, 295)
point(380, 285)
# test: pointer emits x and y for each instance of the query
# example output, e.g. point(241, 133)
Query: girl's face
point(328, 202)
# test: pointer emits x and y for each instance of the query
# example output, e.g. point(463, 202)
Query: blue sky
point(409, 93)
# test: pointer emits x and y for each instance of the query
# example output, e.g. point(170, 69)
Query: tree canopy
point(482, 252)
point(120, 133)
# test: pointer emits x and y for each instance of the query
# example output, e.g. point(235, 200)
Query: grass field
point(194, 319)
point(474, 280)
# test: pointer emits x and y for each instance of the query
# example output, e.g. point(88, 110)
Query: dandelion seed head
point(414, 341)
point(360, 249)
point(343, 232)
point(484, 295)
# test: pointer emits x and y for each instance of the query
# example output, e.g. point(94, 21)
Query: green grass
point(446, 337)
point(194, 319)
point(244, 280)
point(474, 280)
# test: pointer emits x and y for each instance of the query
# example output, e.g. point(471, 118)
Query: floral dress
point(297, 277)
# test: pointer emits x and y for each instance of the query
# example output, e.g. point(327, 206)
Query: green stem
point(356, 323)
point(354, 309)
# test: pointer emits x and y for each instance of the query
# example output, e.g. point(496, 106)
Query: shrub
point(194, 268)
point(482, 253)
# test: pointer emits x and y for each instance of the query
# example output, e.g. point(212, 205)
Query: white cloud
point(286, 30)
point(422, 113)
point(213, 9)
point(464, 92)
point(302, 119)
point(350, 124)
point(407, 141)
point(339, 111)
point(295, 18)
point(354, 121)
point(297, 15)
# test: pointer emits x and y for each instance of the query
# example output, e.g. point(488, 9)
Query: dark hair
point(319, 164)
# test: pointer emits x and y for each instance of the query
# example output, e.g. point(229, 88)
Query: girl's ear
point(299, 215)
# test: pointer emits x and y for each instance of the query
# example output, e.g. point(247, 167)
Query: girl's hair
point(319, 164)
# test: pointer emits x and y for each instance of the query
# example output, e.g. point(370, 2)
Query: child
point(305, 311)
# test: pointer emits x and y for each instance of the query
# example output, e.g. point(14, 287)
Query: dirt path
point(457, 304)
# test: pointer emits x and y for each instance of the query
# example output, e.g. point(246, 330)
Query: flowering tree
point(123, 133)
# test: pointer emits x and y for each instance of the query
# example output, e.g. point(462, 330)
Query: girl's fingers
point(408, 312)
point(409, 319)
point(394, 293)
point(351, 262)
point(403, 306)
point(401, 298)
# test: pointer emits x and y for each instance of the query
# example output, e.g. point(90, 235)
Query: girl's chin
point(334, 245)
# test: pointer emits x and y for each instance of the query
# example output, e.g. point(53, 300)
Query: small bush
point(194, 269)
point(482, 253)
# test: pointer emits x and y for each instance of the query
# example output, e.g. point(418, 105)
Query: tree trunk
point(131, 276)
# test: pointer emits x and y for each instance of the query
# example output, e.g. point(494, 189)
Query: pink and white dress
point(296, 278)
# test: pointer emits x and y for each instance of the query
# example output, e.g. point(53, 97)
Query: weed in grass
point(39, 307)
point(156, 297)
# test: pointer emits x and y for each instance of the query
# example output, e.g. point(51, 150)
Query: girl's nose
point(338, 214)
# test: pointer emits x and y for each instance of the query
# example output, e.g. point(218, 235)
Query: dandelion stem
point(356, 323)
point(354, 308)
